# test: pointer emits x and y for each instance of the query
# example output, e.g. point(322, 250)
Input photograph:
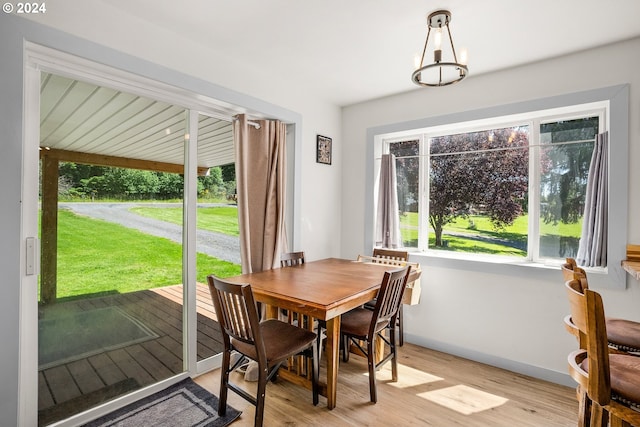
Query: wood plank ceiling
point(82, 117)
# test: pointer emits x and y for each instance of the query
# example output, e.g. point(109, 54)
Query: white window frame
point(532, 121)
point(616, 120)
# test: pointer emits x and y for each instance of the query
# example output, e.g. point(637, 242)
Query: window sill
point(632, 267)
point(599, 277)
point(632, 264)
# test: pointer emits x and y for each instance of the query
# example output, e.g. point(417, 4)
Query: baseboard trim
point(499, 362)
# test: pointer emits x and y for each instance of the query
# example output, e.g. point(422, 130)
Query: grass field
point(479, 228)
point(218, 219)
point(97, 257)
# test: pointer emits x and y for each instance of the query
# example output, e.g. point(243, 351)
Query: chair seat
point(283, 339)
point(624, 373)
point(356, 322)
point(624, 333)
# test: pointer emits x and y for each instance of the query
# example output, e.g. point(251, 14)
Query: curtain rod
point(254, 124)
point(228, 118)
point(496, 149)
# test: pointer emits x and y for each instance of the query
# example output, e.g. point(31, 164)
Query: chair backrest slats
point(236, 310)
point(389, 297)
point(387, 256)
point(289, 259)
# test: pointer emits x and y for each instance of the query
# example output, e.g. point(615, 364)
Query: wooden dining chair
point(608, 382)
point(390, 256)
point(269, 343)
point(385, 255)
point(289, 259)
point(364, 325)
point(623, 335)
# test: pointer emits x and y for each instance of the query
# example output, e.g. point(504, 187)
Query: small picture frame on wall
point(323, 150)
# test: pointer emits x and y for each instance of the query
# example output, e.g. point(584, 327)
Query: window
point(510, 187)
point(609, 104)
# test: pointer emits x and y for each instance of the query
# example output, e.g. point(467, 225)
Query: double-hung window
point(510, 186)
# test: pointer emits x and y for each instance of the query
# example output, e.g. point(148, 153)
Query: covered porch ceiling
point(86, 123)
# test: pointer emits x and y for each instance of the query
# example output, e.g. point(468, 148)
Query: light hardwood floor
point(434, 389)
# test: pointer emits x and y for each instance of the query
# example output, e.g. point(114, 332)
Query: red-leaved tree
point(486, 172)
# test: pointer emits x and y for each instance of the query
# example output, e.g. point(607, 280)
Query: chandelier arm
point(424, 51)
point(453, 49)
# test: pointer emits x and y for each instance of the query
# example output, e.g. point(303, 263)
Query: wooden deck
point(70, 388)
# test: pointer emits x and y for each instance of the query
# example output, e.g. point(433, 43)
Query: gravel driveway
point(218, 245)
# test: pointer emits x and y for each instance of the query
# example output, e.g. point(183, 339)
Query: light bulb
point(463, 56)
point(417, 59)
point(438, 39)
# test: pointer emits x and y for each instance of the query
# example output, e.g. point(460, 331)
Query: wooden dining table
point(323, 289)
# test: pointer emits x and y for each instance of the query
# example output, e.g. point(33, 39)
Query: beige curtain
point(260, 180)
point(388, 216)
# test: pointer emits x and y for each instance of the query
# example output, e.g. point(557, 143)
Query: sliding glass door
point(128, 204)
point(111, 295)
point(217, 235)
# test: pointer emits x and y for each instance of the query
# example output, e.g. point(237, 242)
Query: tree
point(212, 184)
point(407, 173)
point(78, 180)
point(228, 172)
point(479, 171)
point(170, 186)
point(563, 186)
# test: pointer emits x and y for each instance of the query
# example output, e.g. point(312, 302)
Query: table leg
point(333, 355)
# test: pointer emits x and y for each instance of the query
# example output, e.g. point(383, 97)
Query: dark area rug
point(184, 404)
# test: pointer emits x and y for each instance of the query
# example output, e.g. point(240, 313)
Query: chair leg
point(315, 373)
point(599, 417)
point(263, 377)
point(394, 359)
point(371, 356)
point(346, 341)
point(400, 327)
point(584, 408)
point(319, 340)
point(224, 383)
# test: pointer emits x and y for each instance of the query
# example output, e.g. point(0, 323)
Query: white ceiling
point(84, 118)
point(348, 51)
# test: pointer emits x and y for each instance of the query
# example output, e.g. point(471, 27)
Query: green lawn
point(481, 227)
point(218, 219)
point(97, 257)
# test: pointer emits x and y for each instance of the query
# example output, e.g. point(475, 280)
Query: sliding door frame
point(40, 59)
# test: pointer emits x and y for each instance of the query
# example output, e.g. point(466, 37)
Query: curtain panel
point(592, 250)
point(388, 216)
point(261, 185)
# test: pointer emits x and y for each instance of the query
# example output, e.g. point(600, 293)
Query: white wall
point(512, 320)
point(147, 50)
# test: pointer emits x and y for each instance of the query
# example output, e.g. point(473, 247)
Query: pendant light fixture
point(445, 68)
